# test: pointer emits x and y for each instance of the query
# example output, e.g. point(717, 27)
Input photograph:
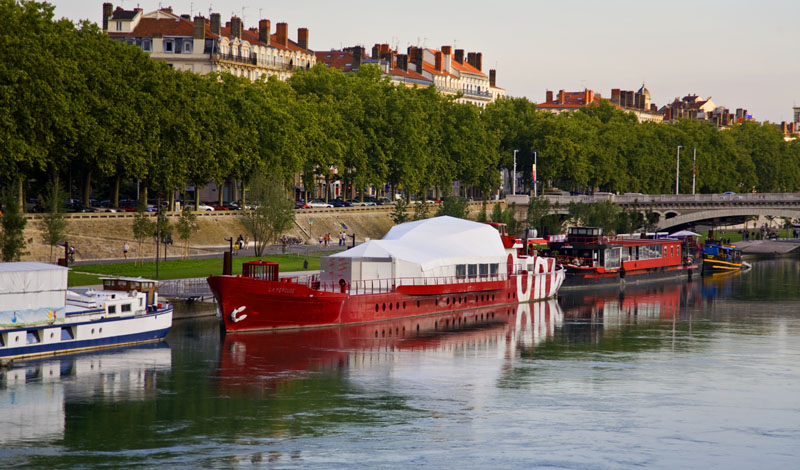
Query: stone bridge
point(684, 210)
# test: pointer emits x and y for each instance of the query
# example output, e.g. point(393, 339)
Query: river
point(704, 374)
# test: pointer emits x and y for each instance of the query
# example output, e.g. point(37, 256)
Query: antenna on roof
point(210, 9)
point(191, 8)
point(260, 14)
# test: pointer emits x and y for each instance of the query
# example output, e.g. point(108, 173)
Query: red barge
point(419, 268)
point(593, 259)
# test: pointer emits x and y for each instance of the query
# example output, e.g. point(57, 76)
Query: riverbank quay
point(100, 236)
point(779, 247)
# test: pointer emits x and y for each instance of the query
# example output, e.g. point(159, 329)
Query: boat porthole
point(390, 306)
point(397, 306)
point(404, 331)
point(492, 296)
point(390, 332)
point(492, 314)
point(92, 330)
point(376, 333)
point(447, 301)
point(447, 323)
point(384, 307)
point(397, 331)
point(51, 335)
point(417, 327)
point(417, 303)
point(376, 307)
point(404, 305)
point(508, 295)
point(383, 333)
point(16, 340)
point(100, 331)
point(435, 325)
point(436, 301)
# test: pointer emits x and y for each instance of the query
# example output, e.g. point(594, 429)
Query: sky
point(738, 52)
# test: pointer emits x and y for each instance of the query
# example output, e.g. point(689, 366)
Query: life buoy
point(235, 312)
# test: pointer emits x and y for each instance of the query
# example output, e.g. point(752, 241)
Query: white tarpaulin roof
point(684, 233)
point(32, 285)
point(433, 242)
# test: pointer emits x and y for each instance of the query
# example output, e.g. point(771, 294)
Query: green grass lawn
point(734, 235)
point(179, 269)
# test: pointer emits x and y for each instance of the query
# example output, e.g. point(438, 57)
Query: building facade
point(203, 45)
point(450, 72)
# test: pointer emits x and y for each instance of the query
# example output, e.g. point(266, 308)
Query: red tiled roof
point(427, 67)
point(465, 67)
point(338, 59)
point(407, 74)
point(572, 99)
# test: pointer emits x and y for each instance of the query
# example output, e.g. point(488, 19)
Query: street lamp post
point(694, 167)
point(535, 181)
point(514, 175)
point(677, 169)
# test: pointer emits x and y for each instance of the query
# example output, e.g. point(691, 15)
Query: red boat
point(419, 268)
point(591, 258)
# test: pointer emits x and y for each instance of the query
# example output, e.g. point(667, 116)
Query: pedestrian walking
point(125, 248)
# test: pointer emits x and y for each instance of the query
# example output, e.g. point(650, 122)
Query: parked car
point(382, 201)
point(202, 207)
point(319, 203)
point(73, 205)
point(340, 203)
point(301, 205)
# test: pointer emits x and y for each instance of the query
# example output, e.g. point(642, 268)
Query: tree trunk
point(21, 193)
point(196, 199)
point(87, 188)
point(234, 191)
point(144, 195)
point(243, 196)
point(172, 200)
point(115, 196)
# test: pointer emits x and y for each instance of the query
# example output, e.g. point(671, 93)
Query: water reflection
point(34, 394)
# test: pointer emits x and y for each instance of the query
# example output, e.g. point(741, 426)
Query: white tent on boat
point(424, 248)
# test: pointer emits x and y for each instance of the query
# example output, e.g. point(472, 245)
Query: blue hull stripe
point(69, 345)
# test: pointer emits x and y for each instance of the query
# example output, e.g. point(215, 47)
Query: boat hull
point(247, 304)
point(87, 334)
point(587, 277)
point(720, 266)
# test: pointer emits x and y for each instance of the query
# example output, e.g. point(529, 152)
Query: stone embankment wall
point(101, 235)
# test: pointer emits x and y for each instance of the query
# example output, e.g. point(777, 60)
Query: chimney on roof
point(236, 27)
point(302, 38)
point(459, 56)
point(492, 77)
point(107, 10)
point(471, 58)
point(479, 61)
point(281, 33)
point(263, 31)
point(402, 62)
point(358, 54)
point(376, 51)
point(561, 97)
point(548, 97)
point(439, 61)
point(186, 16)
point(168, 9)
point(216, 22)
point(447, 57)
point(199, 27)
point(415, 56)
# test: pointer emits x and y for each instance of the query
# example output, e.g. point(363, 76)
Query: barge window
point(2, 341)
point(67, 334)
point(461, 271)
point(125, 308)
point(483, 270)
point(493, 268)
point(473, 270)
point(33, 337)
point(112, 309)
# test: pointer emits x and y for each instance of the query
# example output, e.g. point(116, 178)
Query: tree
point(454, 206)
point(399, 214)
point(422, 210)
point(53, 226)
point(538, 208)
point(482, 215)
point(506, 216)
point(12, 240)
point(273, 212)
point(143, 229)
point(186, 226)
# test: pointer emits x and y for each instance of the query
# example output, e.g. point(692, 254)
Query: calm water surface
point(702, 374)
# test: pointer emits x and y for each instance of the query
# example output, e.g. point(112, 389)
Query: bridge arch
point(711, 214)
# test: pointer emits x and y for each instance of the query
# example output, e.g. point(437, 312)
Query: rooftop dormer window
point(119, 25)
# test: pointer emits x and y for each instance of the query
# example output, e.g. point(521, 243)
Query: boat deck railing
point(376, 286)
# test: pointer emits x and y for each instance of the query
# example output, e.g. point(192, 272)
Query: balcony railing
point(235, 58)
point(483, 94)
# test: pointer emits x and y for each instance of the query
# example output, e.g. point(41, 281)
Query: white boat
point(39, 316)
